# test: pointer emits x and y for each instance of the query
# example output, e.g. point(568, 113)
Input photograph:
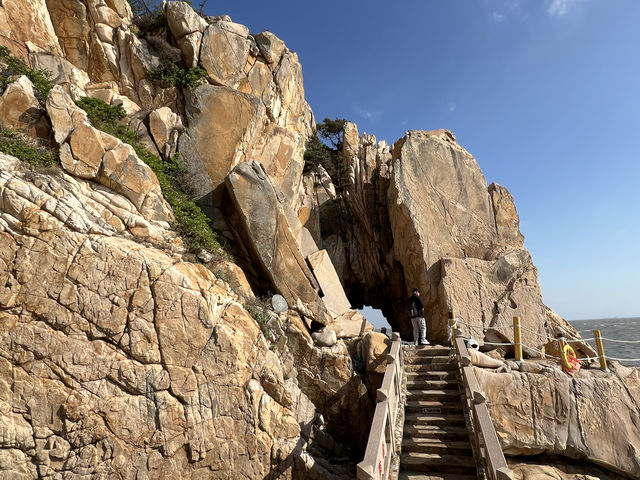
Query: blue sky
point(544, 93)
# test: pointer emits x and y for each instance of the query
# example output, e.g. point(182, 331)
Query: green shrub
point(191, 222)
point(14, 66)
point(325, 148)
point(26, 148)
point(172, 74)
point(260, 310)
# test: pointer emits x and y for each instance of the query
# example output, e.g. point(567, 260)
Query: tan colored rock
point(351, 324)
point(62, 72)
point(190, 46)
point(271, 47)
point(507, 220)
point(223, 125)
point(183, 19)
point(438, 207)
point(162, 124)
point(70, 20)
point(224, 52)
point(274, 255)
point(553, 413)
point(376, 347)
point(23, 21)
point(20, 109)
point(96, 155)
point(281, 153)
point(333, 295)
point(235, 277)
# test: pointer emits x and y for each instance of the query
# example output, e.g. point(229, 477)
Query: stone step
point(450, 395)
point(437, 476)
point(425, 350)
point(431, 375)
point(434, 419)
point(446, 384)
point(430, 367)
point(441, 446)
point(436, 463)
point(431, 360)
point(433, 407)
point(449, 433)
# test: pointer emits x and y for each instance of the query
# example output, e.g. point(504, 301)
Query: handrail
point(382, 442)
point(486, 443)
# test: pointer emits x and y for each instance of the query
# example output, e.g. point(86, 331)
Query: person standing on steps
point(416, 314)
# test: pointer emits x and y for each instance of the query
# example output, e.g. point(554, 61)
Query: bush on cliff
point(22, 146)
point(191, 222)
point(11, 67)
point(172, 74)
point(325, 148)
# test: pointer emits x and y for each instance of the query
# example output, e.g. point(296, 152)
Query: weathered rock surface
point(19, 109)
point(23, 21)
point(421, 215)
point(333, 295)
point(273, 255)
point(593, 416)
point(89, 153)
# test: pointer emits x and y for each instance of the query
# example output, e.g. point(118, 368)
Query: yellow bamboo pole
point(601, 356)
point(452, 335)
point(517, 339)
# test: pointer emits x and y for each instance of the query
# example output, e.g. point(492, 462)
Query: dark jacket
point(419, 305)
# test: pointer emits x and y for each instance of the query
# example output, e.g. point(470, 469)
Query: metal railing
point(382, 444)
point(486, 445)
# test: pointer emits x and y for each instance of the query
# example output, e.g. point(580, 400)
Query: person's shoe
point(425, 342)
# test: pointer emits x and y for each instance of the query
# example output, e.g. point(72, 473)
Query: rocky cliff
point(131, 345)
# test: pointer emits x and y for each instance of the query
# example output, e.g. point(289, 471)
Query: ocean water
point(617, 329)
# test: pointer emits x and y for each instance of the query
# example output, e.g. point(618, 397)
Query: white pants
point(419, 330)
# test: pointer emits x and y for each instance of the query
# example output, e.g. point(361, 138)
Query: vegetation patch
point(191, 222)
point(28, 149)
point(12, 66)
point(172, 74)
point(324, 148)
point(261, 311)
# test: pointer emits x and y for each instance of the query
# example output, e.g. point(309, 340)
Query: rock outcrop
point(120, 357)
point(421, 215)
point(593, 416)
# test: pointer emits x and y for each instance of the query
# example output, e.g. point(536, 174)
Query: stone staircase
point(435, 443)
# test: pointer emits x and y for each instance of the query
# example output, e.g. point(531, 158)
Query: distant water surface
point(615, 328)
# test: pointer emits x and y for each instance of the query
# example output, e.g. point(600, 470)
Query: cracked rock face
point(120, 360)
point(593, 416)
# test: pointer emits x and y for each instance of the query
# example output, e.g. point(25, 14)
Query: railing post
point(601, 356)
point(452, 325)
point(517, 339)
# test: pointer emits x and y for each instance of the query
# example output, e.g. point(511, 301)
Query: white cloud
point(498, 17)
point(371, 115)
point(364, 113)
point(558, 8)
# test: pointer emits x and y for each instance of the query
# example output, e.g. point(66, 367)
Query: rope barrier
point(478, 328)
point(576, 340)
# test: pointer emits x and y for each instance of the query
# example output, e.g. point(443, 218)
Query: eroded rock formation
point(120, 358)
point(593, 416)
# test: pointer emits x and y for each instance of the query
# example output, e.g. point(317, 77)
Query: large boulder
point(222, 125)
point(333, 295)
point(23, 21)
point(273, 257)
point(20, 109)
point(438, 207)
point(592, 416)
point(224, 52)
